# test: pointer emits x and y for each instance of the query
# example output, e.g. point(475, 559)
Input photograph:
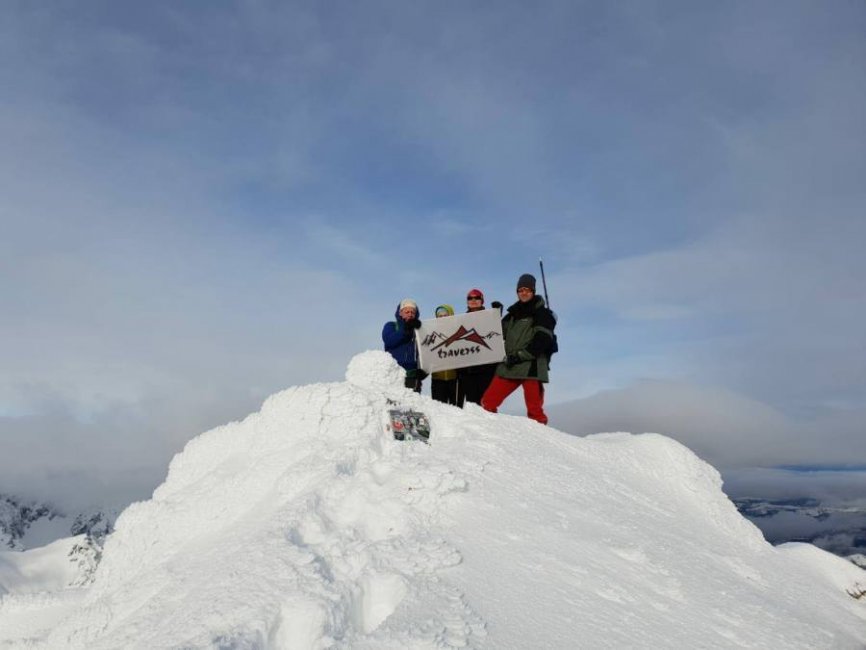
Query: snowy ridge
point(64, 563)
point(308, 526)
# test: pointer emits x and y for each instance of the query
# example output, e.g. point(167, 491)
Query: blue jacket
point(399, 340)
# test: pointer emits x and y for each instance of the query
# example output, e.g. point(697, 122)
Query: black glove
point(496, 305)
point(512, 360)
point(413, 324)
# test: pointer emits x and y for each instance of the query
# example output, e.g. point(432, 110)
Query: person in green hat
point(443, 385)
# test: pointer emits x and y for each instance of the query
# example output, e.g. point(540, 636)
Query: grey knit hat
point(526, 280)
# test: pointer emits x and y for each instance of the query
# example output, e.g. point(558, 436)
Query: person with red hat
point(473, 381)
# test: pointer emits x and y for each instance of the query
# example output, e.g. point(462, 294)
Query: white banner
point(460, 341)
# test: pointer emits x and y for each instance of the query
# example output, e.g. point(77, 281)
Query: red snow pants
point(533, 395)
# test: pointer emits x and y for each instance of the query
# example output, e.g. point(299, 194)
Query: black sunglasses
point(474, 298)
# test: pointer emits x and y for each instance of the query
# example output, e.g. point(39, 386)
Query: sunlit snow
point(308, 526)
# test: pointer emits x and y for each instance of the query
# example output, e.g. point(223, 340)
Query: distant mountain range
point(38, 534)
point(20, 517)
point(16, 517)
point(839, 528)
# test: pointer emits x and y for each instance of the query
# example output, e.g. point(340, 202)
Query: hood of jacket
point(397, 313)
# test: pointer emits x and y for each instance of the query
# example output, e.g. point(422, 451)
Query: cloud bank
point(205, 204)
point(726, 429)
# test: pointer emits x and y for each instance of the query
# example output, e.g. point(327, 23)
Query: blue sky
point(207, 202)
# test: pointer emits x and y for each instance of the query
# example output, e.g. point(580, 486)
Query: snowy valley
point(307, 525)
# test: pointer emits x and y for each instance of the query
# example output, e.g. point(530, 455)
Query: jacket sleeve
point(505, 325)
point(393, 335)
point(544, 324)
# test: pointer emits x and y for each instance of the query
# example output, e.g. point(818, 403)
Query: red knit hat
point(475, 293)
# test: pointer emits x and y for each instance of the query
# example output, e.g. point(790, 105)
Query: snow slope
point(47, 568)
point(308, 526)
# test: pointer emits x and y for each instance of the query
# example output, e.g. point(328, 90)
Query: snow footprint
point(416, 557)
point(380, 594)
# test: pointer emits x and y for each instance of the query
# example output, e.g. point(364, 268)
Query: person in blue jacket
point(399, 338)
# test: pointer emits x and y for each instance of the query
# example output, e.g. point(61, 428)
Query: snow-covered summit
point(307, 526)
point(375, 370)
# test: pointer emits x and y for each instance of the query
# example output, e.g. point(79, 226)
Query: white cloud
point(768, 306)
point(770, 483)
point(725, 428)
point(344, 243)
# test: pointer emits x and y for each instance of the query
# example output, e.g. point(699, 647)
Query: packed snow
point(308, 526)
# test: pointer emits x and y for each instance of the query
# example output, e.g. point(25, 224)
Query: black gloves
point(413, 324)
point(496, 305)
point(517, 357)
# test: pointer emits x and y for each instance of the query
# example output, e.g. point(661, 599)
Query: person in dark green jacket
point(528, 332)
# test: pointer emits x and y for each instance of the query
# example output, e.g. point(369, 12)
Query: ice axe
point(544, 283)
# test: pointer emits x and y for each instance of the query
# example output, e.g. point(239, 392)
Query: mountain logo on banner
point(460, 341)
point(462, 334)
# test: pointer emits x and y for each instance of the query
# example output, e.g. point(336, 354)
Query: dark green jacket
point(528, 332)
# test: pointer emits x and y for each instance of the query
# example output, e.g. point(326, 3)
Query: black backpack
point(554, 344)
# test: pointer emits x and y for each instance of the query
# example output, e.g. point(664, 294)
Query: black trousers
point(472, 382)
point(445, 390)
